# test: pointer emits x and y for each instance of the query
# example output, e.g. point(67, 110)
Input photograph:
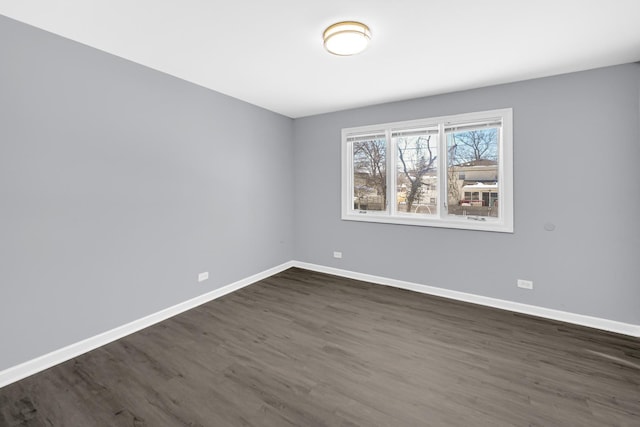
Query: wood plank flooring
point(309, 349)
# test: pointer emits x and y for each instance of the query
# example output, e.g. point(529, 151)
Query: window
point(453, 171)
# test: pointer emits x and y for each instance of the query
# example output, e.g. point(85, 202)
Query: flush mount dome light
point(346, 38)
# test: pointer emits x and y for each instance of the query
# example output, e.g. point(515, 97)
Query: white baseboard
point(46, 361)
point(563, 316)
point(23, 370)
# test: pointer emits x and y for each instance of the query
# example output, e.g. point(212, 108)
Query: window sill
point(489, 224)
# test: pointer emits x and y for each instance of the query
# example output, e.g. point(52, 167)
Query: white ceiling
point(270, 53)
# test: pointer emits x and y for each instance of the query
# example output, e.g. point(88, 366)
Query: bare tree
point(468, 147)
point(453, 190)
point(370, 156)
point(417, 159)
point(473, 145)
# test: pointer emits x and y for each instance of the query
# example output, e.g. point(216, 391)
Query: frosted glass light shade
point(346, 38)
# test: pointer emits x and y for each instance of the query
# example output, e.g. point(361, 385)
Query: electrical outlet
point(337, 254)
point(525, 284)
point(203, 276)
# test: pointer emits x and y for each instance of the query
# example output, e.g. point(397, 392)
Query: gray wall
point(118, 185)
point(576, 164)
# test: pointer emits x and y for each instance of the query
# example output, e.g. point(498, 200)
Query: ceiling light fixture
point(346, 38)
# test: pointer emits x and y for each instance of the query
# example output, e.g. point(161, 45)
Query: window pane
point(417, 173)
point(370, 174)
point(450, 171)
point(472, 163)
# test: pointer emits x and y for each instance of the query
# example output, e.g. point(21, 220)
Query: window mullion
point(347, 171)
point(442, 172)
point(501, 178)
point(391, 175)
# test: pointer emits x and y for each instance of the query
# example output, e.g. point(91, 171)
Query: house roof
point(480, 162)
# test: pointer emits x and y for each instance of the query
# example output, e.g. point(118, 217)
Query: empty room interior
point(319, 213)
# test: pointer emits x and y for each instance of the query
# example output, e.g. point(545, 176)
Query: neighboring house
point(471, 184)
point(367, 192)
point(474, 183)
point(426, 199)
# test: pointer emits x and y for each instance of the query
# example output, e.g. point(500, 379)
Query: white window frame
point(504, 221)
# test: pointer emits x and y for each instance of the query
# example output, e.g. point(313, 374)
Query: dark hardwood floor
point(309, 349)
